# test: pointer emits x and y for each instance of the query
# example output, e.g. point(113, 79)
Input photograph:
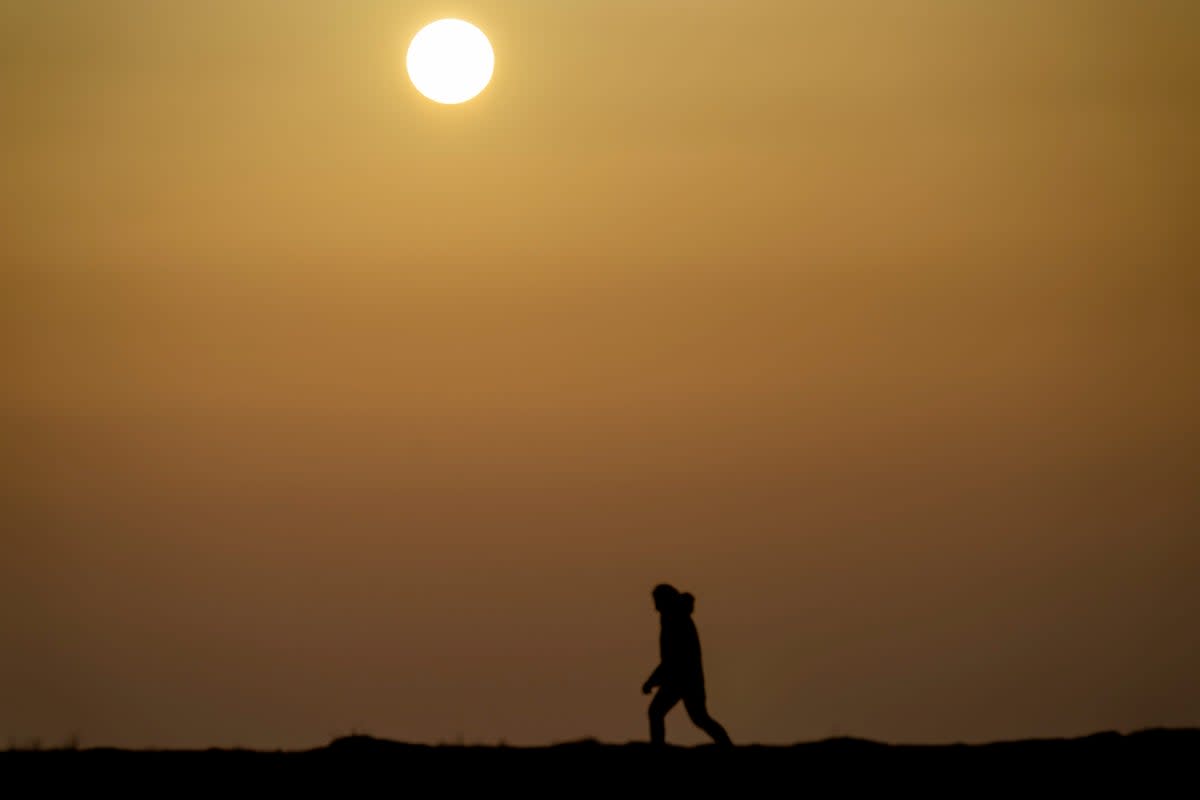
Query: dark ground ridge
point(1152, 760)
point(370, 745)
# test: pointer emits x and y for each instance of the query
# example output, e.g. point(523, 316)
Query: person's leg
point(663, 702)
point(697, 709)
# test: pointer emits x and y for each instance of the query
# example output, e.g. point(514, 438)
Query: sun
point(450, 61)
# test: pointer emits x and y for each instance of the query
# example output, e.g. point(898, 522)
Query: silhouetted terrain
point(1148, 760)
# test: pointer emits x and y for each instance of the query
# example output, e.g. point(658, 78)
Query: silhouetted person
point(680, 676)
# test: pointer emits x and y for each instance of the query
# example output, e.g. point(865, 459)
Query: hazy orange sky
point(876, 325)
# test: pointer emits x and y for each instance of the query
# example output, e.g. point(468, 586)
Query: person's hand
point(647, 687)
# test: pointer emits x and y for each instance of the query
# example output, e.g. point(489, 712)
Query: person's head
point(666, 598)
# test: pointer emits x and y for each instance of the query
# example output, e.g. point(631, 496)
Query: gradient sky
point(876, 325)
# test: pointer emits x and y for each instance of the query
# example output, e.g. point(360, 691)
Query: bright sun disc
point(450, 61)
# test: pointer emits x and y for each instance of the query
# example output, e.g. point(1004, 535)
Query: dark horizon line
point(367, 742)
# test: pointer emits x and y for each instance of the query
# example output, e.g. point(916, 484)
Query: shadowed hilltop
point(1144, 759)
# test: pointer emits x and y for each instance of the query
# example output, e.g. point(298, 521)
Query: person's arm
point(654, 680)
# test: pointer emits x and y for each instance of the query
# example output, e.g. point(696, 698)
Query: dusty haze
point(875, 325)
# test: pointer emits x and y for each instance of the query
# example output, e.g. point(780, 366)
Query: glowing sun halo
point(450, 61)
